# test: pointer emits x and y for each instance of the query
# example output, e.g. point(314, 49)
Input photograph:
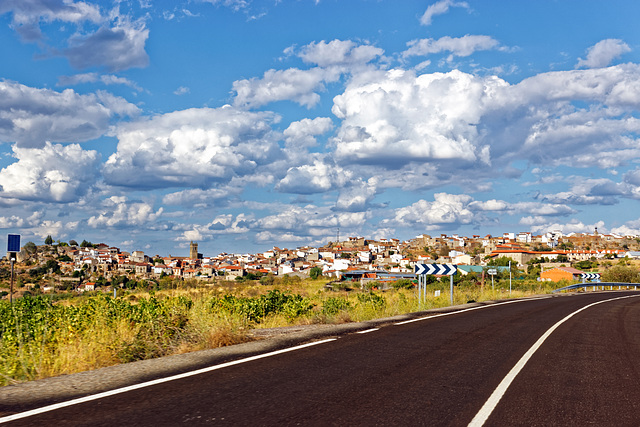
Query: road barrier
point(603, 285)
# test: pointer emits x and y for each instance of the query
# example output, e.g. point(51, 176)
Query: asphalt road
point(437, 371)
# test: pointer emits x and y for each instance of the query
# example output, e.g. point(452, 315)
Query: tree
point(73, 243)
point(86, 244)
point(48, 240)
point(621, 274)
point(315, 272)
point(502, 261)
point(30, 248)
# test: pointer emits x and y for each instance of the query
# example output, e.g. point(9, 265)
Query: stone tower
point(193, 250)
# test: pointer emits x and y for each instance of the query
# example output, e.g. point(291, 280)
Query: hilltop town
point(85, 266)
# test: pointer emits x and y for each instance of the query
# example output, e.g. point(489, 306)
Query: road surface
point(440, 370)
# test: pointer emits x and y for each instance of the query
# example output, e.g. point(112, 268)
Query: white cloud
point(182, 90)
point(191, 148)
point(313, 223)
point(603, 53)
point(114, 48)
point(458, 46)
point(31, 116)
point(301, 134)
point(339, 53)
point(118, 212)
point(54, 173)
point(630, 228)
point(27, 15)
point(198, 197)
point(440, 8)
point(396, 117)
point(357, 196)
point(573, 226)
point(449, 209)
point(313, 178)
point(106, 79)
point(222, 224)
point(300, 86)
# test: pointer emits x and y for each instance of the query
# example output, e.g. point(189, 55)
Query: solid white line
point(367, 331)
point(469, 309)
point(153, 382)
point(497, 394)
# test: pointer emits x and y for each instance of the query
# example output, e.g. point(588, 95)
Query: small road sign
point(590, 276)
point(492, 271)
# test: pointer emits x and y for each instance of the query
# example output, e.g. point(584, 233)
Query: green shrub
point(334, 305)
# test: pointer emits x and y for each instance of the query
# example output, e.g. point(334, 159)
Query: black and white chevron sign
point(440, 269)
point(590, 276)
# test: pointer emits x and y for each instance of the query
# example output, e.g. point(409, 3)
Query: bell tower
point(193, 250)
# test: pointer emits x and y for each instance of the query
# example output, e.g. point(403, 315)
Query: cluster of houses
point(356, 257)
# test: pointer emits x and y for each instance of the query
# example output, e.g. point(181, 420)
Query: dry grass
point(105, 342)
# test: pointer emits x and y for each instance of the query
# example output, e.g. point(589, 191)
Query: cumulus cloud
point(197, 197)
point(300, 86)
point(573, 226)
point(117, 44)
point(396, 117)
point(440, 8)
point(458, 46)
point(106, 79)
point(31, 116)
point(357, 196)
point(333, 59)
point(114, 48)
point(603, 53)
point(222, 224)
point(191, 148)
point(447, 122)
point(339, 53)
point(313, 178)
point(54, 173)
point(630, 228)
point(27, 14)
point(301, 134)
point(118, 212)
point(449, 209)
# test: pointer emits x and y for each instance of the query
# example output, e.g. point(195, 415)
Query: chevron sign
point(440, 269)
point(590, 276)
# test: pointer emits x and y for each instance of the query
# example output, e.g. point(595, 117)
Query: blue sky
point(244, 125)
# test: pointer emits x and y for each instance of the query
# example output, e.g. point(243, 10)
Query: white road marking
point(469, 309)
point(497, 394)
point(153, 382)
point(367, 331)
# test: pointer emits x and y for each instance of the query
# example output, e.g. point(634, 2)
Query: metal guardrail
point(595, 285)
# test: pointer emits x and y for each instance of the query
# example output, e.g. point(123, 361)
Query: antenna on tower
point(338, 236)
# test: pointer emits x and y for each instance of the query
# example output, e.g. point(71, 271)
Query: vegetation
point(47, 335)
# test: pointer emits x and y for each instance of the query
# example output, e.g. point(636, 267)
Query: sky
point(243, 125)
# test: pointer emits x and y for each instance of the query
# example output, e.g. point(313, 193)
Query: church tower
point(193, 250)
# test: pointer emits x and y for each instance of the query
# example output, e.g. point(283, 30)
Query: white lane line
point(367, 331)
point(497, 394)
point(469, 309)
point(153, 382)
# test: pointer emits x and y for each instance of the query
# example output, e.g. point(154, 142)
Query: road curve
point(436, 371)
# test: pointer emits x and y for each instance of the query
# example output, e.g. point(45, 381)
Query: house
point(561, 273)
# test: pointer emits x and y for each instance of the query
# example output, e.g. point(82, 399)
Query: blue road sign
point(13, 243)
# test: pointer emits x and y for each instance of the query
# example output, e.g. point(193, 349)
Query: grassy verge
point(41, 337)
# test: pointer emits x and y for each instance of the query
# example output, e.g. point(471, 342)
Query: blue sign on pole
point(13, 243)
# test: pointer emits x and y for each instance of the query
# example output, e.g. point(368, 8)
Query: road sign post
point(422, 270)
point(13, 247)
point(492, 272)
